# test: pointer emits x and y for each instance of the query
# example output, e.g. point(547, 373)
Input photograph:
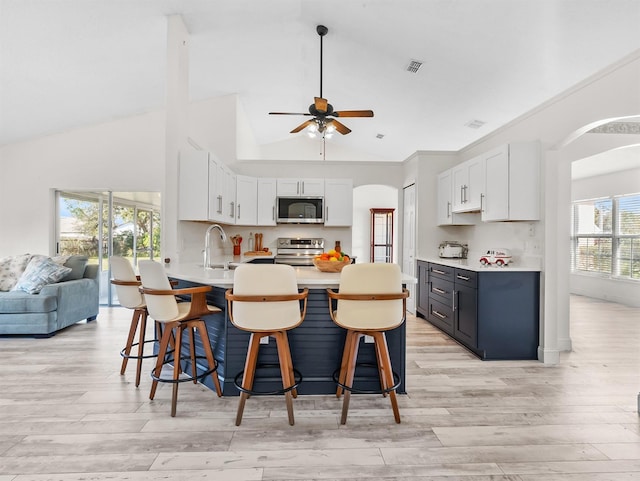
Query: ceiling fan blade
point(302, 126)
point(354, 113)
point(343, 129)
point(289, 113)
point(321, 104)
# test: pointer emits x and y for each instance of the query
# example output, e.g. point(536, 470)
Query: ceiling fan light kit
point(324, 120)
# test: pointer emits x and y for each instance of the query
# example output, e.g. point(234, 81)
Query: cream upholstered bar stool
point(265, 302)
point(370, 301)
point(127, 285)
point(178, 317)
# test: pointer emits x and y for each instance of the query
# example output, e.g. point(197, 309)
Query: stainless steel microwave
point(300, 210)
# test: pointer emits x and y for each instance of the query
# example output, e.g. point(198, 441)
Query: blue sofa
point(55, 307)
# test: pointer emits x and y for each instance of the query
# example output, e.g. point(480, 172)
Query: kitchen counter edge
point(474, 265)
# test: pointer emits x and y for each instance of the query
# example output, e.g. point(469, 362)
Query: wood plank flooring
point(67, 414)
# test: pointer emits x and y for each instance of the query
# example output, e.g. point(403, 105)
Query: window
point(606, 236)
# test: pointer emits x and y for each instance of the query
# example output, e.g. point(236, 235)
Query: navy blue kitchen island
point(316, 345)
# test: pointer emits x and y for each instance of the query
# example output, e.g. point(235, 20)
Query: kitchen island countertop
point(308, 276)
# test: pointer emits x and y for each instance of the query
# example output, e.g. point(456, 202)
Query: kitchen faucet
point(207, 247)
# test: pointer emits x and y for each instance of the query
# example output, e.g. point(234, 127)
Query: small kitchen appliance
point(298, 251)
point(452, 250)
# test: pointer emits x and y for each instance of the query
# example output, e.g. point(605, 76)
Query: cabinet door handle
point(238, 211)
point(462, 194)
point(273, 213)
point(219, 204)
point(326, 213)
point(448, 209)
point(232, 209)
point(439, 291)
point(437, 271)
point(298, 187)
point(464, 278)
point(303, 186)
point(453, 300)
point(481, 202)
point(436, 313)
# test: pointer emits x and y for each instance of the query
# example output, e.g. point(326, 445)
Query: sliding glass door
point(101, 224)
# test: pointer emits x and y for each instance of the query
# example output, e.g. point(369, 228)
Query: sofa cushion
point(76, 263)
point(11, 268)
point(40, 271)
point(19, 302)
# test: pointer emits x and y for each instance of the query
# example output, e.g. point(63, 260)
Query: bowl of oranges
point(332, 261)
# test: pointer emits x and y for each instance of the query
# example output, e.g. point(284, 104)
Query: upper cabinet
point(266, 201)
point(300, 187)
point(338, 202)
point(246, 200)
point(468, 185)
point(197, 183)
point(445, 214)
point(512, 183)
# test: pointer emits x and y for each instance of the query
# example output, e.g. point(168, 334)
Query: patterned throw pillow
point(40, 271)
point(11, 268)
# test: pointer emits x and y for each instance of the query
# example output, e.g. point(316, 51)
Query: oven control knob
point(283, 242)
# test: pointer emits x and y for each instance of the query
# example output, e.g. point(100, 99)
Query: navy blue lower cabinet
point(316, 349)
point(494, 313)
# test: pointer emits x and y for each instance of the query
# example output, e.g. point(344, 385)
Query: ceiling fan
point(324, 117)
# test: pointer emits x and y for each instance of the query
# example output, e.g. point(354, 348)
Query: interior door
point(409, 240)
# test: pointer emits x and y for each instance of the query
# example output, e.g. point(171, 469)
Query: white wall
point(124, 155)
point(615, 290)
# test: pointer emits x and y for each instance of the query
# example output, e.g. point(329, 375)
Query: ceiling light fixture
point(321, 128)
point(475, 124)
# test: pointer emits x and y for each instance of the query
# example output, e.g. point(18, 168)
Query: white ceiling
point(69, 63)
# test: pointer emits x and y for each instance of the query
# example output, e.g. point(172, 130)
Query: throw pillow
point(39, 272)
point(11, 268)
point(77, 264)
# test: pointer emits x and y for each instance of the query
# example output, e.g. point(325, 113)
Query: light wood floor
point(67, 414)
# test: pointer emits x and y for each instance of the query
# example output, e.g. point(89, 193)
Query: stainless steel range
point(298, 251)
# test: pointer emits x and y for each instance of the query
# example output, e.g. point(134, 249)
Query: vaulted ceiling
point(69, 63)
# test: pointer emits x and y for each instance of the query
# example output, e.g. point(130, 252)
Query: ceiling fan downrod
point(322, 31)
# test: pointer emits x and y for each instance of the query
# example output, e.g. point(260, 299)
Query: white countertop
point(307, 276)
point(474, 265)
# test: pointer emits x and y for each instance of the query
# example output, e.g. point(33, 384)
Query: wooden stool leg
point(282, 346)
point(177, 369)
point(249, 373)
point(162, 352)
point(206, 344)
point(351, 368)
point(345, 359)
point(132, 332)
point(380, 364)
point(386, 361)
point(143, 329)
point(292, 376)
point(192, 350)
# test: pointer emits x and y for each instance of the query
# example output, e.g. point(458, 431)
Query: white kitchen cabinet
point(229, 197)
point(444, 204)
point(266, 201)
point(197, 184)
point(512, 183)
point(468, 180)
point(338, 202)
point(300, 187)
point(246, 200)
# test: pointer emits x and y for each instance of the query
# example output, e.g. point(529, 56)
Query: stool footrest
point(238, 379)
point(135, 356)
point(187, 377)
point(396, 379)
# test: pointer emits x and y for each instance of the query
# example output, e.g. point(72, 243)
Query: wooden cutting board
point(258, 253)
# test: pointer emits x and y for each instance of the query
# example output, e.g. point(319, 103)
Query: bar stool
point(127, 287)
point(265, 302)
point(371, 300)
point(176, 318)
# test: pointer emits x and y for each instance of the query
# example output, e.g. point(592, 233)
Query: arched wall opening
point(367, 197)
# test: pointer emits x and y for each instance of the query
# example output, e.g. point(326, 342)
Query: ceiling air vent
point(474, 124)
point(379, 136)
point(414, 66)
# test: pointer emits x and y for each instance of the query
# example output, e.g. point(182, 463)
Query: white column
point(176, 133)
